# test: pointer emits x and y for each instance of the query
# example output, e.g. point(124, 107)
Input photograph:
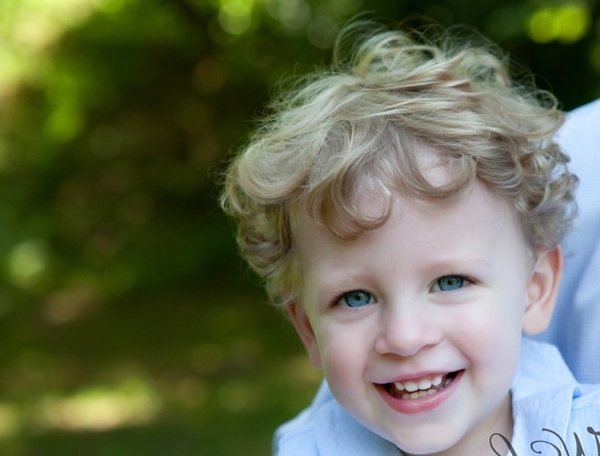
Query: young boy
point(407, 210)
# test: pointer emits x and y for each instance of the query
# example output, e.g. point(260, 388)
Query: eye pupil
point(357, 298)
point(448, 283)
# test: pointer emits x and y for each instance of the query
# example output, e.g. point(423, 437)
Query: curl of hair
point(356, 127)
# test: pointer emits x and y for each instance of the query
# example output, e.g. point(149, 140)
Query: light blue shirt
point(545, 395)
point(575, 326)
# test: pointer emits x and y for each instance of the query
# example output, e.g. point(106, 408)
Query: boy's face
point(435, 299)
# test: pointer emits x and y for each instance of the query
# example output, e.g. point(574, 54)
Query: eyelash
point(465, 282)
point(338, 298)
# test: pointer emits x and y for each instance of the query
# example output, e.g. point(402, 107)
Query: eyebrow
point(464, 262)
point(328, 288)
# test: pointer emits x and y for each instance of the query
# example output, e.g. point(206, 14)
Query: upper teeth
point(424, 384)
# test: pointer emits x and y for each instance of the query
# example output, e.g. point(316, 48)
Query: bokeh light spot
point(68, 304)
point(574, 21)
point(64, 123)
point(566, 24)
point(235, 17)
point(544, 26)
point(27, 262)
point(101, 408)
point(236, 396)
point(293, 14)
point(10, 420)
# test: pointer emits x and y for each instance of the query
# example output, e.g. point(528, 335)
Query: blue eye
point(449, 283)
point(356, 298)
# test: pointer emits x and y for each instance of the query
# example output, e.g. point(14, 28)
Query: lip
point(422, 404)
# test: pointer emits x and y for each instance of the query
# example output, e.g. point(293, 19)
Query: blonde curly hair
point(356, 127)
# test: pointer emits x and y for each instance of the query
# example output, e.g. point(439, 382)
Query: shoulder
point(581, 126)
point(579, 138)
point(298, 436)
point(326, 429)
point(291, 440)
point(574, 325)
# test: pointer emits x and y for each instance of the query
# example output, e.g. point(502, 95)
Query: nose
point(405, 330)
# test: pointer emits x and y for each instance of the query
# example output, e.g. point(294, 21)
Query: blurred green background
point(128, 324)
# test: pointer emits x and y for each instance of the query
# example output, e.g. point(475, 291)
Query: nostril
point(406, 340)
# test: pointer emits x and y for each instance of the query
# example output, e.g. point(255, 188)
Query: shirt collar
point(542, 396)
point(337, 433)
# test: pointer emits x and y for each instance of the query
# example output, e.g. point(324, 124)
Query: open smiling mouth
point(420, 388)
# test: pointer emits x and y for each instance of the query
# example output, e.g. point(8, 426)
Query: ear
point(542, 290)
point(305, 331)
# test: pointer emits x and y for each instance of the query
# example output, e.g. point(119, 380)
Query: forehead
point(476, 224)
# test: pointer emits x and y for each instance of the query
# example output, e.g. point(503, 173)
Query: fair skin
point(436, 299)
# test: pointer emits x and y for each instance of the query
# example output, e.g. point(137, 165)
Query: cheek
point(491, 329)
point(494, 342)
point(344, 354)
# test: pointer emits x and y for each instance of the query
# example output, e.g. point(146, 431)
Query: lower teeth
point(418, 394)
